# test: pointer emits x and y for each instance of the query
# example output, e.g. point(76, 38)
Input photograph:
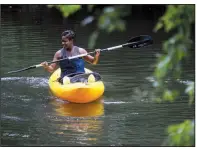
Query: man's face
point(66, 42)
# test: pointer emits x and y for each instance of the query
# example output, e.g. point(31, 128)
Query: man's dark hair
point(69, 34)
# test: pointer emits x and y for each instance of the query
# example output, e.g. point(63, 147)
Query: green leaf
point(190, 91)
point(181, 134)
point(90, 7)
point(168, 96)
point(104, 22)
point(120, 25)
point(158, 26)
point(92, 39)
point(66, 10)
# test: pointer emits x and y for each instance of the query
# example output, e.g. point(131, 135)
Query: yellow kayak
point(77, 92)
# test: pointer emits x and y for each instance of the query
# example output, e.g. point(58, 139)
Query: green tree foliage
point(181, 134)
point(177, 19)
point(66, 10)
point(109, 19)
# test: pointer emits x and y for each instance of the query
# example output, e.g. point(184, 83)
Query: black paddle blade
point(139, 41)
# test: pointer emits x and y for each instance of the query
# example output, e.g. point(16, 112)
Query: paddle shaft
point(133, 43)
point(82, 55)
point(73, 57)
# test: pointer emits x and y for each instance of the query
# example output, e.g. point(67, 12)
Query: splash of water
point(34, 82)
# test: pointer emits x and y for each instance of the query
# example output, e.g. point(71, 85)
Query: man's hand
point(97, 52)
point(45, 65)
point(96, 57)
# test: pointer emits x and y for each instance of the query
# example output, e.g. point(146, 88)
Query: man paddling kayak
point(72, 66)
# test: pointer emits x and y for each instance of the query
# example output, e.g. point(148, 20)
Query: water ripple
point(35, 82)
point(117, 102)
point(15, 118)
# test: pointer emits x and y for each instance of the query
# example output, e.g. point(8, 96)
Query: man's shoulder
point(80, 48)
point(77, 47)
point(58, 52)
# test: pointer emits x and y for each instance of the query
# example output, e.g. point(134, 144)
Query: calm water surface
point(125, 115)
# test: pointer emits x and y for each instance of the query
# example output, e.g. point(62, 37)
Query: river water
point(126, 115)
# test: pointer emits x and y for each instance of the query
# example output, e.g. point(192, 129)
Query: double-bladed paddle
point(136, 42)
